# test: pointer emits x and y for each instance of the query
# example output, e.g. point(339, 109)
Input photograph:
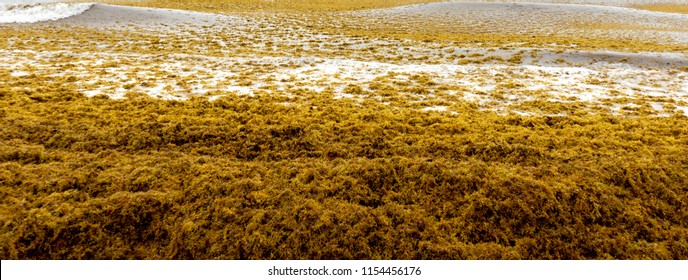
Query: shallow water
point(30, 11)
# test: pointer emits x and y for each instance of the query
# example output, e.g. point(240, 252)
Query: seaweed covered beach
point(364, 129)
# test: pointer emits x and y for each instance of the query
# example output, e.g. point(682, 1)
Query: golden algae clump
point(248, 177)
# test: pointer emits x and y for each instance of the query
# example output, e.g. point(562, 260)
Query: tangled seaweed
point(264, 177)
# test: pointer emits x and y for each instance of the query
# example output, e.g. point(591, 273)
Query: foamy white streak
point(29, 13)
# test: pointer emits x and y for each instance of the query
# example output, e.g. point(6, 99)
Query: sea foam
point(20, 12)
